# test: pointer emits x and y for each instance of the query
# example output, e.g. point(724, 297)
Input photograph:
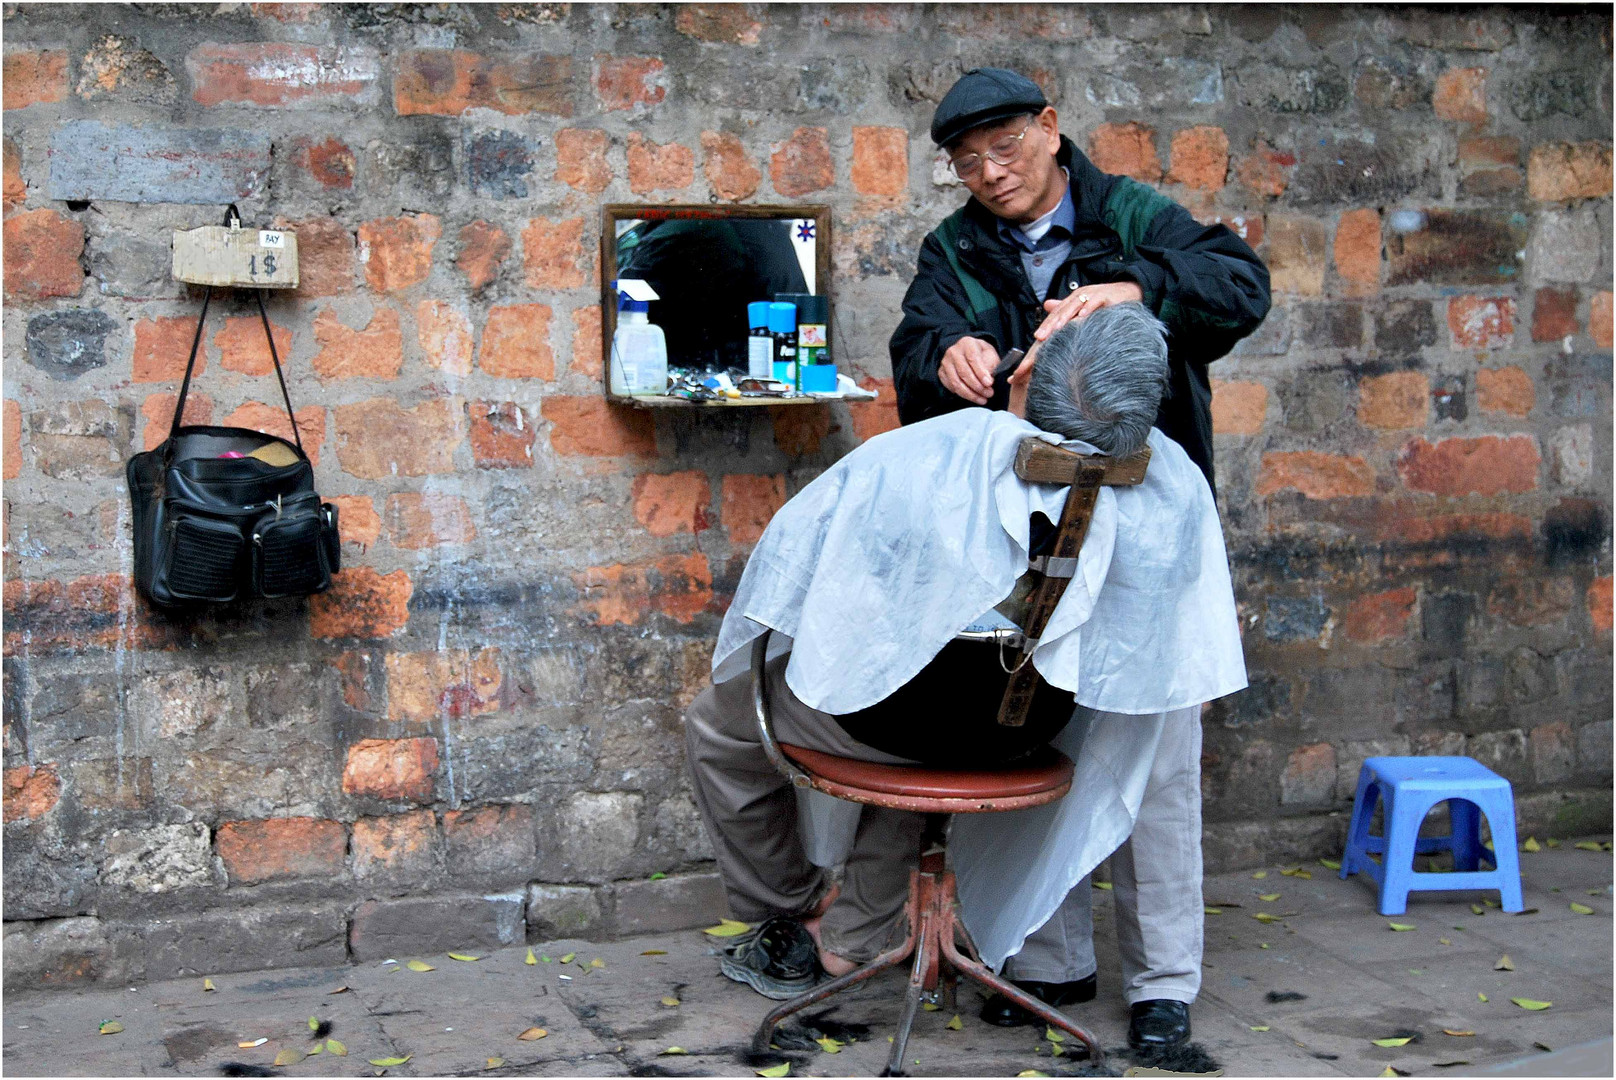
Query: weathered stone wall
point(476, 734)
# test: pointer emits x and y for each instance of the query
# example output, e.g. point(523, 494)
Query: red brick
point(1599, 319)
point(1357, 252)
point(1489, 465)
point(418, 520)
point(1554, 314)
point(1263, 171)
point(448, 82)
point(1558, 171)
point(1200, 158)
point(1296, 254)
point(442, 684)
point(1248, 227)
point(1015, 22)
point(669, 503)
point(678, 586)
point(73, 616)
point(162, 346)
point(1309, 776)
point(379, 438)
point(279, 848)
point(872, 418)
point(31, 791)
point(1129, 149)
point(1380, 616)
point(393, 769)
point(730, 170)
point(1316, 475)
point(34, 78)
point(1238, 408)
point(325, 257)
point(1489, 151)
point(590, 426)
point(1415, 525)
point(271, 419)
point(880, 160)
point(654, 167)
point(444, 333)
point(581, 159)
point(625, 82)
point(42, 251)
point(1461, 95)
point(553, 254)
point(375, 352)
point(1506, 390)
point(483, 249)
point(361, 604)
point(1481, 322)
point(749, 502)
point(13, 437)
point(516, 343)
point(243, 347)
point(1393, 402)
point(802, 163)
point(16, 190)
point(158, 411)
point(501, 436)
point(799, 429)
point(725, 24)
point(357, 520)
point(330, 161)
point(398, 844)
point(397, 252)
point(1534, 601)
point(1599, 604)
point(278, 74)
point(588, 357)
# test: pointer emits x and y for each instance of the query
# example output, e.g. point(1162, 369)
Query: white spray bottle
point(639, 348)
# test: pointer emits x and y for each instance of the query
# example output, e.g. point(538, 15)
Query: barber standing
point(1046, 237)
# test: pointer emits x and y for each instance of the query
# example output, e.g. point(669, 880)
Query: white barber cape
point(869, 570)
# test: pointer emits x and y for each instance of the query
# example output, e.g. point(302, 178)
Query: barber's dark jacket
point(1202, 281)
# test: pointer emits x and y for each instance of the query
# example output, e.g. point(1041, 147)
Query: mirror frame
point(614, 212)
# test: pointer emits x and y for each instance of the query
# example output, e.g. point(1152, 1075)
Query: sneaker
point(778, 959)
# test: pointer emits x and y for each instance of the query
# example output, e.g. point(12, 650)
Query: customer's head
point(1101, 380)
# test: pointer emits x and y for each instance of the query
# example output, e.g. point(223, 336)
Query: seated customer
point(874, 567)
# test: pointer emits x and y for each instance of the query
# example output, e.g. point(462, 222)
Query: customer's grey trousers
point(1157, 884)
point(751, 815)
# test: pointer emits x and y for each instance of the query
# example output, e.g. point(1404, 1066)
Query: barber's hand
point(1019, 380)
point(967, 369)
point(1083, 302)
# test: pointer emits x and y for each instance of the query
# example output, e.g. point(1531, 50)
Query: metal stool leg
point(924, 973)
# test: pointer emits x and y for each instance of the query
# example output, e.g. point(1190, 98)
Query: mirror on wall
point(706, 264)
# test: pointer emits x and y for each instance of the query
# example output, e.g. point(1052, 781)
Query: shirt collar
point(1064, 216)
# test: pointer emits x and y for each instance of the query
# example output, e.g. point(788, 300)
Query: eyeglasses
point(1003, 151)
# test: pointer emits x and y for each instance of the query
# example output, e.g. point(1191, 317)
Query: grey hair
point(1102, 380)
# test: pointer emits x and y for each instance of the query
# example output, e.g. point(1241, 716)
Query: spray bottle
point(639, 348)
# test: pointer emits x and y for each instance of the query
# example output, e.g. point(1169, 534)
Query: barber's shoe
point(1158, 1024)
point(778, 959)
point(1002, 1012)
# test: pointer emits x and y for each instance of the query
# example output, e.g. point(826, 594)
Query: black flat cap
point(982, 96)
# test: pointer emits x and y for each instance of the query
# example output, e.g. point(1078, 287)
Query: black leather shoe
point(1158, 1024)
point(1002, 1012)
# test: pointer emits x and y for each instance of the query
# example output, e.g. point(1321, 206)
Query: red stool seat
point(1040, 778)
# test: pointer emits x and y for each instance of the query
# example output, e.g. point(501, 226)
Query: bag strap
point(976, 293)
point(196, 344)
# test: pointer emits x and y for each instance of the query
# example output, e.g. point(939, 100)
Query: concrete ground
point(1354, 980)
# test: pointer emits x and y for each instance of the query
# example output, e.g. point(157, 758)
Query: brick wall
point(476, 734)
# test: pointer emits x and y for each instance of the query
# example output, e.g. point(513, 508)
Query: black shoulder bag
point(224, 514)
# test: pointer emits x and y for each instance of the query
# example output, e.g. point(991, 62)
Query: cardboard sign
point(229, 255)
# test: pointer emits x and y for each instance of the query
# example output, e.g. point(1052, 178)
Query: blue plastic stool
point(1410, 787)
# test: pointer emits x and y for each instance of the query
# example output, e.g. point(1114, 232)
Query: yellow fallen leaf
point(1531, 1006)
point(1531, 844)
point(1329, 864)
point(389, 1062)
point(1481, 997)
point(655, 952)
point(1031, 1072)
point(532, 1034)
point(252, 1043)
point(332, 1046)
point(1106, 885)
point(1457, 1034)
point(494, 1063)
point(670, 1002)
point(465, 958)
point(1297, 871)
point(1581, 909)
point(1265, 917)
point(829, 1045)
point(1491, 903)
point(1504, 963)
point(110, 1027)
point(782, 1069)
point(1260, 1027)
point(727, 928)
point(531, 959)
point(1269, 897)
point(568, 958)
point(1552, 842)
point(207, 985)
point(597, 962)
point(314, 1025)
point(338, 990)
point(1477, 909)
point(289, 1057)
point(1213, 910)
point(1400, 926)
point(930, 1006)
point(1262, 945)
point(1586, 845)
point(1403, 1041)
point(1443, 941)
point(420, 965)
point(1053, 1036)
point(1389, 1072)
point(672, 1050)
point(955, 1024)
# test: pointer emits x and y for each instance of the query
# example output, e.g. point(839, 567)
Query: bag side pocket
point(289, 556)
point(203, 558)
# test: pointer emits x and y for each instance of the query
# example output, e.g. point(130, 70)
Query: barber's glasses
point(1002, 152)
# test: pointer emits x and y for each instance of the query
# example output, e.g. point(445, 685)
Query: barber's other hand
point(1083, 302)
point(967, 369)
